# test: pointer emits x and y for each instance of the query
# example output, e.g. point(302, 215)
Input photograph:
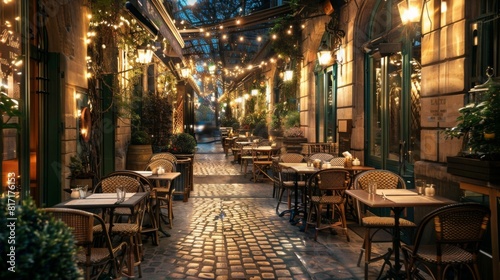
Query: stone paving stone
point(249, 241)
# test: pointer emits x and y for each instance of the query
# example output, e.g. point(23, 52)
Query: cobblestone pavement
point(228, 229)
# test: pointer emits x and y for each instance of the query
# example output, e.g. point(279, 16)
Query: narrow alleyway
point(229, 230)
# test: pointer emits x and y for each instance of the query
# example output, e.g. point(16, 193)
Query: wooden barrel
point(138, 156)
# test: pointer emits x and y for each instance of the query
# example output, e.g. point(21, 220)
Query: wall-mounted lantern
point(185, 72)
point(410, 11)
point(288, 75)
point(211, 69)
point(324, 54)
point(144, 54)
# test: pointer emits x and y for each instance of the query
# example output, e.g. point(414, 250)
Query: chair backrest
point(264, 142)
point(291, 157)
point(164, 155)
point(322, 156)
point(82, 224)
point(146, 183)
point(109, 184)
point(168, 165)
point(460, 224)
point(261, 154)
point(337, 161)
point(329, 182)
point(385, 179)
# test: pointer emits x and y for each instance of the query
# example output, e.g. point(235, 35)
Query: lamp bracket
point(336, 34)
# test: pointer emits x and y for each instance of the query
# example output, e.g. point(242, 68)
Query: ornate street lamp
point(185, 72)
point(324, 54)
point(288, 75)
point(144, 54)
point(410, 11)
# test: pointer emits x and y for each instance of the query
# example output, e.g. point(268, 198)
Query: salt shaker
point(430, 190)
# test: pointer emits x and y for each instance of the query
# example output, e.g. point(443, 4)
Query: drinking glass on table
point(420, 186)
point(82, 190)
point(120, 194)
point(372, 188)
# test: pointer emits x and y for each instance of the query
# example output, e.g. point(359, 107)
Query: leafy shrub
point(78, 166)
point(261, 130)
point(182, 143)
point(44, 248)
point(292, 119)
point(140, 137)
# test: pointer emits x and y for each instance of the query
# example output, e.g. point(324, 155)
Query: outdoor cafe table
point(105, 201)
point(397, 200)
point(262, 160)
point(168, 176)
point(301, 168)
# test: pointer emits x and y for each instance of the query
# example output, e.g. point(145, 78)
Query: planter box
point(293, 144)
point(483, 170)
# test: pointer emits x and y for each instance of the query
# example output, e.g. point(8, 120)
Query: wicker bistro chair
point(164, 193)
point(327, 188)
point(94, 260)
point(458, 231)
point(109, 184)
point(131, 233)
point(337, 161)
point(372, 223)
point(291, 157)
point(150, 226)
point(286, 181)
point(321, 156)
point(164, 155)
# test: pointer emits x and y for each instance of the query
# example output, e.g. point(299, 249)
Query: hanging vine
point(110, 29)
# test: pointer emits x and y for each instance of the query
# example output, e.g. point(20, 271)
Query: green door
point(326, 100)
point(392, 95)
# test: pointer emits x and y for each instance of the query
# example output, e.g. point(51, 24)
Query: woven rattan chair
point(150, 226)
point(130, 232)
point(454, 247)
point(285, 178)
point(372, 223)
point(167, 164)
point(93, 260)
point(164, 155)
point(291, 157)
point(109, 184)
point(327, 188)
point(165, 193)
point(337, 161)
point(321, 156)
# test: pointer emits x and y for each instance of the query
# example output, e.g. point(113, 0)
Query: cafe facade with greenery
point(397, 73)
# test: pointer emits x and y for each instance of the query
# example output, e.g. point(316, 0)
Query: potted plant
point(44, 248)
point(182, 143)
point(479, 126)
point(293, 138)
point(80, 173)
point(139, 151)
